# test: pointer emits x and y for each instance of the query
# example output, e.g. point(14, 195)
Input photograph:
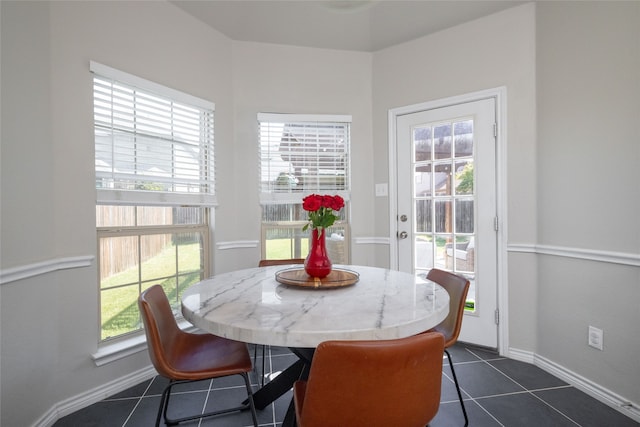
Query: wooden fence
point(119, 253)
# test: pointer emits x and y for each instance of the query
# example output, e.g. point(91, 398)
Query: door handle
point(403, 235)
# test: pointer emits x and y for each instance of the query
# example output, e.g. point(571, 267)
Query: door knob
point(403, 235)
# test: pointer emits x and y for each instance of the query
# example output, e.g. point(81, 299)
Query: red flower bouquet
point(321, 215)
point(321, 210)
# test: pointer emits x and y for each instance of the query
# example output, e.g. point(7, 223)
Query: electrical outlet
point(596, 337)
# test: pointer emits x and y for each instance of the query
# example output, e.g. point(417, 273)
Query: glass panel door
point(447, 204)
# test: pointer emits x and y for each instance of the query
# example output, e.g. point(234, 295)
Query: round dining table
point(257, 306)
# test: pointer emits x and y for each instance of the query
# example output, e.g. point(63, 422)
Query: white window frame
point(280, 196)
point(183, 186)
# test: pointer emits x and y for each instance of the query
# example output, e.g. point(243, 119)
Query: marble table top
point(251, 306)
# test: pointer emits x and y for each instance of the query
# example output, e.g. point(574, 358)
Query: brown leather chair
point(372, 383)
point(184, 357)
point(457, 287)
point(267, 263)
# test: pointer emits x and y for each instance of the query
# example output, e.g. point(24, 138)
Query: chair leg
point(164, 403)
point(455, 380)
point(166, 394)
point(264, 356)
point(252, 406)
point(255, 359)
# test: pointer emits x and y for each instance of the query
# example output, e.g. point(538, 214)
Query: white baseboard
point(81, 401)
point(606, 396)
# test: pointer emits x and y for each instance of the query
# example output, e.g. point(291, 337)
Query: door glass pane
point(423, 216)
point(422, 181)
point(440, 247)
point(424, 253)
point(460, 258)
point(464, 216)
point(442, 141)
point(422, 143)
point(463, 138)
point(443, 216)
point(442, 182)
point(464, 177)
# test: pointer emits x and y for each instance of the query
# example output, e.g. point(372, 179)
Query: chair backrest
point(374, 383)
point(457, 287)
point(160, 327)
point(268, 262)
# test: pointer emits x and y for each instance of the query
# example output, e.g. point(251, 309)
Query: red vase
point(317, 263)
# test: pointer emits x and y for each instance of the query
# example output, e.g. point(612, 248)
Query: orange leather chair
point(457, 287)
point(184, 357)
point(372, 383)
point(267, 263)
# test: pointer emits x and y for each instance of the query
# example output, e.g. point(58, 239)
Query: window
point(154, 169)
point(302, 155)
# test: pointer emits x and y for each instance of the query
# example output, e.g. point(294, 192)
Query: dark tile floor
point(497, 392)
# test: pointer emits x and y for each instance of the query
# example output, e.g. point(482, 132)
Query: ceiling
point(365, 26)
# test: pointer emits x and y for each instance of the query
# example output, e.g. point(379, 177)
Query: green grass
point(283, 248)
point(120, 292)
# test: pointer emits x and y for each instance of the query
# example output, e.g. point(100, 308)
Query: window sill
point(119, 349)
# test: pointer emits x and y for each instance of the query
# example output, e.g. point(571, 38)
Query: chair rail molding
point(579, 253)
point(371, 240)
point(237, 244)
point(26, 271)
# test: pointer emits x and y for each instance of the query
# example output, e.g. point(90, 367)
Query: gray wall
point(50, 321)
point(286, 79)
point(588, 103)
point(571, 74)
point(495, 51)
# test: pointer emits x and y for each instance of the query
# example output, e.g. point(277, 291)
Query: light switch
point(382, 190)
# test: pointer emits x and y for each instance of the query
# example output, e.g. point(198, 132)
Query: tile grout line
point(138, 402)
point(555, 409)
point(486, 411)
point(530, 392)
point(206, 400)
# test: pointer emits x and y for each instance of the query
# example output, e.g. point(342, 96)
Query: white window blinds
point(303, 154)
point(153, 145)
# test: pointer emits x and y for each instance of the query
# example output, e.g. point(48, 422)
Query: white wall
point(487, 53)
point(49, 321)
point(284, 79)
point(571, 174)
point(588, 63)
